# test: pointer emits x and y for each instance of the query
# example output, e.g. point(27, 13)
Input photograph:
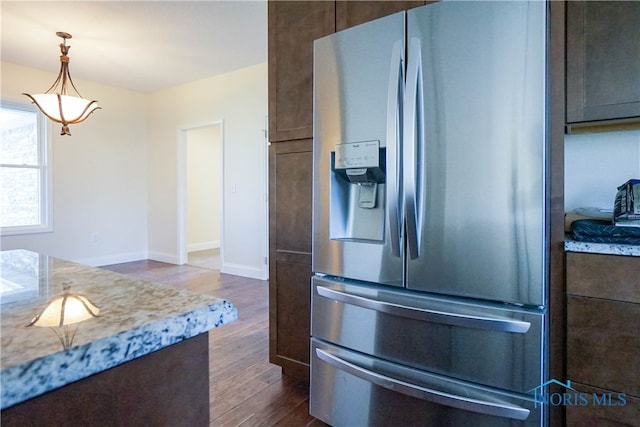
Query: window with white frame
point(25, 178)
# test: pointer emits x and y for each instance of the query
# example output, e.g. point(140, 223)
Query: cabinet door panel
point(293, 201)
point(603, 343)
point(293, 26)
point(290, 255)
point(293, 295)
point(603, 415)
point(603, 60)
point(604, 276)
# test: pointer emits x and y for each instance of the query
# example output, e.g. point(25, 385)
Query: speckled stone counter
point(136, 318)
point(571, 245)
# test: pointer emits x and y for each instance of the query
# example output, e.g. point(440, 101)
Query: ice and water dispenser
point(357, 210)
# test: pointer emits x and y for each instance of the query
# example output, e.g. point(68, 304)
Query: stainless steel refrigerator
point(429, 218)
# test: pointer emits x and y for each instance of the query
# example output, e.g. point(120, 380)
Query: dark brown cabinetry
point(293, 25)
point(603, 63)
point(603, 314)
point(290, 255)
point(350, 13)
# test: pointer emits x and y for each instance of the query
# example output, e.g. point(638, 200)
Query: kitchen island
point(144, 358)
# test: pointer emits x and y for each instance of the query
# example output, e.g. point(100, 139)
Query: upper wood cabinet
point(603, 61)
point(293, 26)
point(350, 13)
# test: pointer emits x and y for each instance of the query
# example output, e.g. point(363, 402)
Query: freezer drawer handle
point(429, 315)
point(498, 409)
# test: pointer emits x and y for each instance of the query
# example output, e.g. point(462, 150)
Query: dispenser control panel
point(364, 154)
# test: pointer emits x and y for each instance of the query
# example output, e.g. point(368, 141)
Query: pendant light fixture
point(56, 103)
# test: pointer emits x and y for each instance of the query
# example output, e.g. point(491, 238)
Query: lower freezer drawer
point(352, 389)
point(493, 344)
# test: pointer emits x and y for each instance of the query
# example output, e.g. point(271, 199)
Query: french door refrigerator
point(430, 279)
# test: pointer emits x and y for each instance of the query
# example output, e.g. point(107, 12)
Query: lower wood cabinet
point(289, 324)
point(290, 188)
point(603, 338)
point(608, 414)
point(603, 341)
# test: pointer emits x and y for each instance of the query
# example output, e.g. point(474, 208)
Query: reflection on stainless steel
point(345, 119)
point(63, 311)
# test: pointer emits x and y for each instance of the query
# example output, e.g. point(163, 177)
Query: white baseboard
point(203, 246)
point(163, 257)
point(112, 259)
point(227, 268)
point(244, 271)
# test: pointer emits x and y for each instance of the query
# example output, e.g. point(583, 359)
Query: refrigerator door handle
point(428, 314)
point(493, 408)
point(413, 134)
point(395, 96)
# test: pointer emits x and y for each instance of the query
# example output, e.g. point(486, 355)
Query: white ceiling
point(141, 45)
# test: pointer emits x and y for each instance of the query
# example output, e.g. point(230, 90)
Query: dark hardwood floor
point(245, 389)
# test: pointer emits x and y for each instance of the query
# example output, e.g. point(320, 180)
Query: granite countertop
point(136, 317)
point(571, 245)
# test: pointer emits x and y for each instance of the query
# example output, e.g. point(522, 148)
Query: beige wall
point(117, 175)
point(239, 99)
point(99, 175)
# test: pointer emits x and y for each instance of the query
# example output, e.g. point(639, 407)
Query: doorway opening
point(200, 195)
